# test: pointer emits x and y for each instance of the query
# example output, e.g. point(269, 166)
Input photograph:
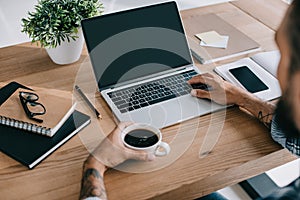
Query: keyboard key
point(135, 98)
point(122, 106)
point(123, 110)
point(142, 100)
point(193, 73)
point(130, 108)
point(120, 102)
point(187, 88)
point(144, 104)
point(136, 107)
point(148, 98)
point(183, 93)
point(135, 102)
point(161, 95)
point(179, 85)
point(131, 91)
point(161, 90)
point(142, 96)
point(179, 89)
point(116, 99)
point(118, 94)
point(137, 93)
point(167, 93)
point(154, 96)
point(112, 95)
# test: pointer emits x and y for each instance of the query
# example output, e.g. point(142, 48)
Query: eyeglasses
point(30, 105)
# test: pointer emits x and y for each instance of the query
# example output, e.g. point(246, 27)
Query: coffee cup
point(146, 138)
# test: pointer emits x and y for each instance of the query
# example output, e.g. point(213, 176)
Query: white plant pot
point(67, 52)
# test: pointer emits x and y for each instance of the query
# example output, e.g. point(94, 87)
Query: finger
point(140, 155)
point(195, 79)
point(208, 75)
point(202, 79)
point(204, 76)
point(200, 94)
point(115, 135)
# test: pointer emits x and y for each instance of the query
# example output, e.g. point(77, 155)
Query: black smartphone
point(248, 79)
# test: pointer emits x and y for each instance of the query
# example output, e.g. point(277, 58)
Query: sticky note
point(209, 37)
point(219, 44)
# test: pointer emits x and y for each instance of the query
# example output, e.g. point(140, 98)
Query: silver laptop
point(141, 61)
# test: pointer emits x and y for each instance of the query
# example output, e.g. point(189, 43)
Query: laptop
point(141, 61)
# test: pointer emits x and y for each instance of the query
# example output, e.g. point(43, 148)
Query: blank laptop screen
point(135, 43)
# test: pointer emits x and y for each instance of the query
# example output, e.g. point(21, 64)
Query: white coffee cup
point(146, 138)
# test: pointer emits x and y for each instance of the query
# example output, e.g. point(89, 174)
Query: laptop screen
point(136, 43)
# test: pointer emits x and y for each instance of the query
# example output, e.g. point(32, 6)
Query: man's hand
point(222, 92)
point(111, 152)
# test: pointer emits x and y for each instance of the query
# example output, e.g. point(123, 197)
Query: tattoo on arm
point(92, 185)
point(265, 119)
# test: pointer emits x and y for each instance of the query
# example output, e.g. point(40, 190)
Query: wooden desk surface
point(243, 150)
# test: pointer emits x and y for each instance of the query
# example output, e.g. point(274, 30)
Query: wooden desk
point(243, 150)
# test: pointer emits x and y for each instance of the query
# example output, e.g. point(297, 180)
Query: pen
point(88, 102)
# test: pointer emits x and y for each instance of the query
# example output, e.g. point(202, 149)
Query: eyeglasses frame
point(30, 114)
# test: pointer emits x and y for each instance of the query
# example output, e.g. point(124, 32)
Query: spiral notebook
point(31, 149)
point(58, 104)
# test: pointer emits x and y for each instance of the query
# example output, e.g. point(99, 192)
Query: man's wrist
point(246, 100)
point(92, 162)
point(92, 183)
point(256, 107)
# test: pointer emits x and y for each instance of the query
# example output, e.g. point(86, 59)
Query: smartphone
point(248, 79)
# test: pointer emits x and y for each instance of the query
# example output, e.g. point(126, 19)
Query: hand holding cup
point(145, 138)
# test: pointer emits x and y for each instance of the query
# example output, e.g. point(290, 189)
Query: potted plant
point(55, 25)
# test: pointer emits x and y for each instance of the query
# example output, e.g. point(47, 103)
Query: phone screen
point(248, 79)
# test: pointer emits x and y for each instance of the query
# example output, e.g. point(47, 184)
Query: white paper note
point(213, 39)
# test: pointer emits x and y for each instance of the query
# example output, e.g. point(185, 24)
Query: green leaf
point(54, 21)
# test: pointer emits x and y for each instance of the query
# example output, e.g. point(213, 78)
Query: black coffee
point(141, 138)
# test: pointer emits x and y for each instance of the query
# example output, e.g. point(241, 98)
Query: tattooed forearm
point(265, 119)
point(92, 184)
point(261, 109)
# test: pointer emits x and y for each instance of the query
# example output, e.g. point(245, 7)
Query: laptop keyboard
point(153, 92)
